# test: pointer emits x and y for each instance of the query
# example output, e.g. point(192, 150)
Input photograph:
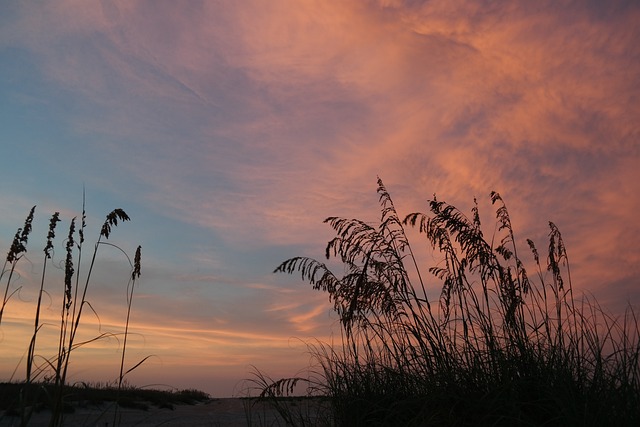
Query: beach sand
point(224, 412)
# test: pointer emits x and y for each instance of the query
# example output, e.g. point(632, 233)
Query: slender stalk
point(135, 274)
point(111, 221)
point(36, 327)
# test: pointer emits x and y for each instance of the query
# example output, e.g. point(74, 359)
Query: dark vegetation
point(96, 395)
point(45, 384)
point(500, 346)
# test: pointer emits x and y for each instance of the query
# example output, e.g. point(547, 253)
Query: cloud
point(296, 109)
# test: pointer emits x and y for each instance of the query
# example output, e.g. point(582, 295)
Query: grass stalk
point(78, 306)
point(36, 327)
point(135, 274)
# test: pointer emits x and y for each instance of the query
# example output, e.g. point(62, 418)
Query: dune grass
point(96, 394)
point(45, 379)
point(498, 347)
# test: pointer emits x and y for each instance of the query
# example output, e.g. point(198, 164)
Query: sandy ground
point(217, 412)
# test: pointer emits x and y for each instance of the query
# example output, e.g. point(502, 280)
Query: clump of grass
point(97, 394)
point(48, 379)
point(496, 348)
point(311, 409)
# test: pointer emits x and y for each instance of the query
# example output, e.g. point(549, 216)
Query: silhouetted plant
point(498, 348)
point(18, 247)
point(51, 375)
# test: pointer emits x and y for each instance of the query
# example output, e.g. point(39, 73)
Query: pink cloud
point(446, 100)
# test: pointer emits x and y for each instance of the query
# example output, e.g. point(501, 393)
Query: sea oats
point(498, 348)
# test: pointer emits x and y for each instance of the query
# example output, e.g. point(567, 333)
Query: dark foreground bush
point(497, 348)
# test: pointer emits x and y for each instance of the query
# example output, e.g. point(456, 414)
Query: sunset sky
point(228, 130)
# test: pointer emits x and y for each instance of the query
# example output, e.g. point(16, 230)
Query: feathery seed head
point(19, 244)
point(112, 220)
point(55, 218)
point(27, 226)
point(68, 265)
point(136, 264)
point(81, 230)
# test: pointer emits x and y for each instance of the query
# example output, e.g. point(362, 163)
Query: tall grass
point(497, 347)
point(52, 370)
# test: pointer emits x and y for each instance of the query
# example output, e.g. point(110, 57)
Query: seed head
point(55, 218)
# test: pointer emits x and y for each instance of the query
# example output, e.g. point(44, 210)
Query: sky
point(229, 130)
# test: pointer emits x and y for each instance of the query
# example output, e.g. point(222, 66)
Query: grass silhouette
point(45, 382)
point(497, 348)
